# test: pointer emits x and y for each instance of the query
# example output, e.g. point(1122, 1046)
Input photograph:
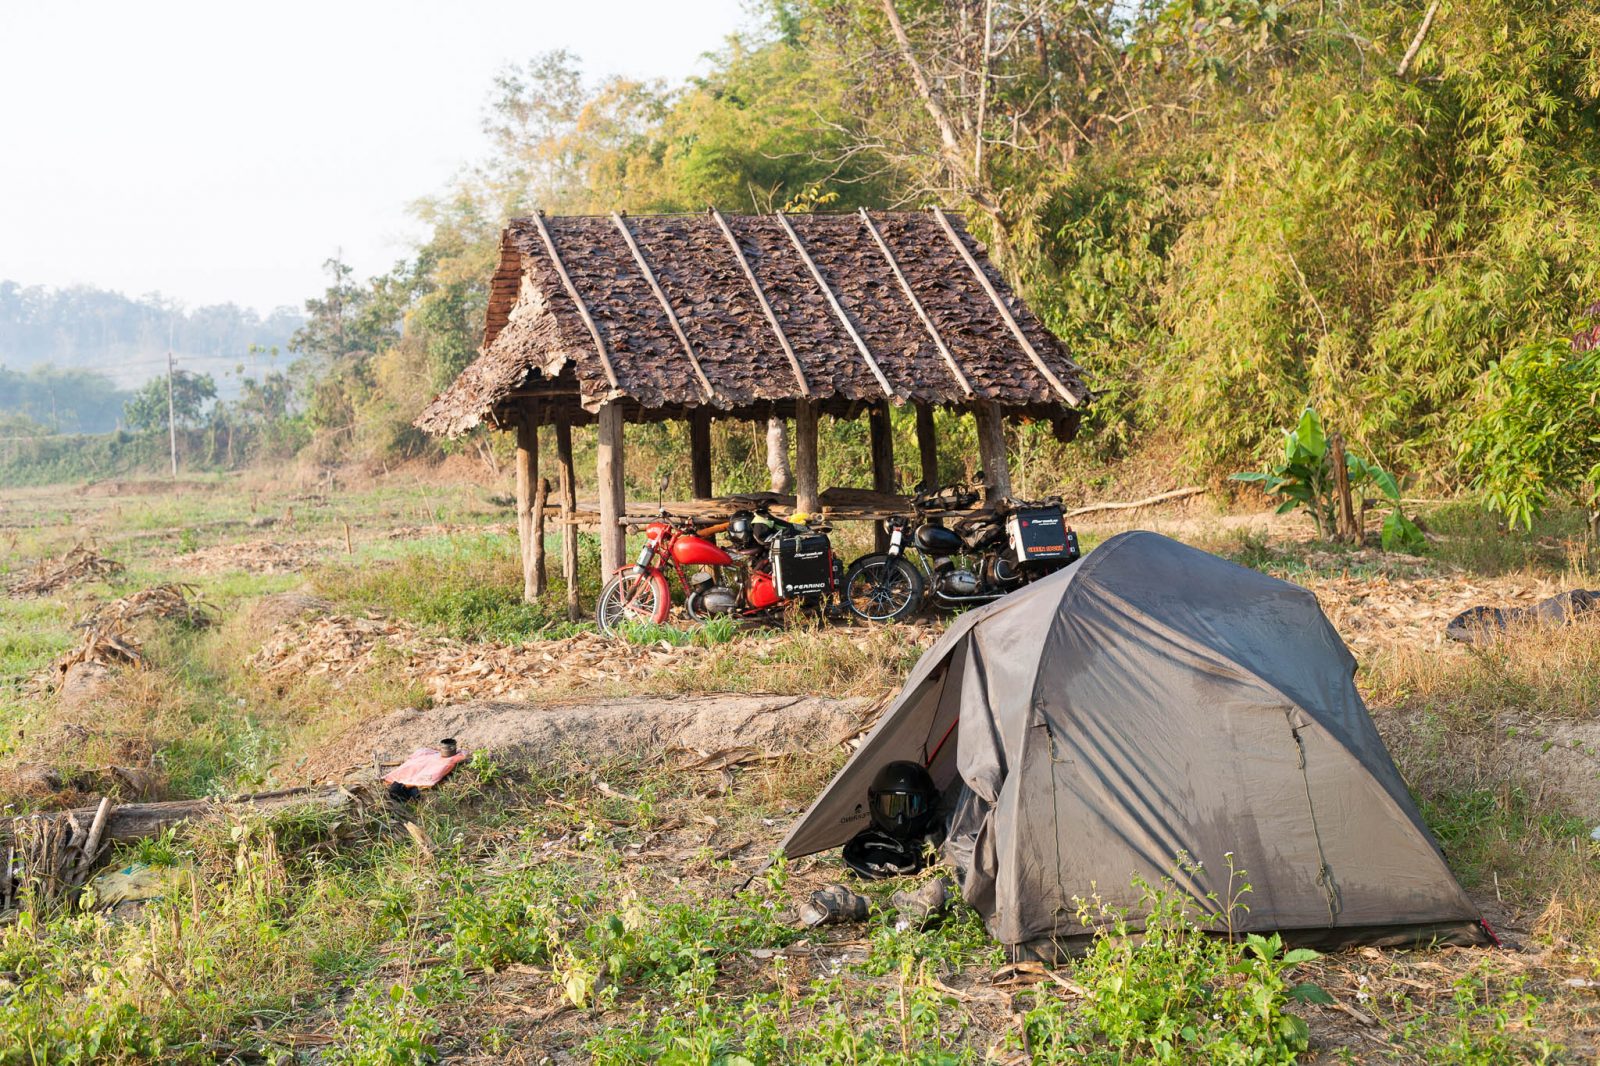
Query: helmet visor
point(900, 806)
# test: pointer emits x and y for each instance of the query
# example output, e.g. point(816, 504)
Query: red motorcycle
point(773, 562)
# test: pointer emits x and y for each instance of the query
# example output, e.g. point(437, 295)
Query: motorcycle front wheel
point(632, 598)
point(882, 588)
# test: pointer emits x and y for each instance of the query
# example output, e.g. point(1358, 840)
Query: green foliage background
point(1230, 209)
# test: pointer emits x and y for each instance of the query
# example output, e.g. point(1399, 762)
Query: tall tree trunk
point(955, 155)
point(778, 454)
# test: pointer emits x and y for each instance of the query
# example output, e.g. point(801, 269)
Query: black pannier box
point(802, 565)
point(1040, 535)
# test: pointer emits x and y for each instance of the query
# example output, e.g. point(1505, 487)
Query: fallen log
point(139, 821)
point(1163, 497)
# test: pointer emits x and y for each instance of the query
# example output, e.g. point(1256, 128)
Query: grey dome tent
point(1147, 702)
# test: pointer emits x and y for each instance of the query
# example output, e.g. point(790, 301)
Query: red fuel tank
point(696, 551)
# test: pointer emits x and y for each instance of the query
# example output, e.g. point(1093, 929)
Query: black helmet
point(740, 525)
point(903, 800)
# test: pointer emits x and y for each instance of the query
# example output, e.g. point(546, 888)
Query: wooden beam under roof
point(761, 298)
point(905, 287)
point(1005, 312)
point(666, 306)
point(838, 309)
point(572, 291)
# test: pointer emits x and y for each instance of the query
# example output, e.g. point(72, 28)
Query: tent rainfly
point(1154, 711)
point(643, 318)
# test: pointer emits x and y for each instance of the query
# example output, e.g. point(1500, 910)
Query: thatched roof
point(663, 314)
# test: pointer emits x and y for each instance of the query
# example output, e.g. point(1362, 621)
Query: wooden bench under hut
point(642, 318)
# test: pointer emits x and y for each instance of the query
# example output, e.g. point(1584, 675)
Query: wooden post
point(541, 496)
point(992, 452)
point(608, 472)
point(527, 474)
point(700, 452)
point(1345, 529)
point(807, 496)
point(569, 519)
point(883, 479)
point(928, 446)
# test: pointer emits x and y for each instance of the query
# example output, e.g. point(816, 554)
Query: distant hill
point(84, 328)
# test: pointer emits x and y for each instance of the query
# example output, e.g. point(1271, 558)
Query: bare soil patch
point(697, 731)
point(269, 612)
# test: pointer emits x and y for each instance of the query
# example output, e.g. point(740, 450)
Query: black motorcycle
point(972, 561)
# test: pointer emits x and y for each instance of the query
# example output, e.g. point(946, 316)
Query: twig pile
point(77, 564)
point(104, 645)
point(171, 602)
point(51, 857)
point(108, 639)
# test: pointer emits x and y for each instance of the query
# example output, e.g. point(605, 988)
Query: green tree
point(1536, 437)
point(147, 410)
point(344, 328)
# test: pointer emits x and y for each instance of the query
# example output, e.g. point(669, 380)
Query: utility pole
point(172, 424)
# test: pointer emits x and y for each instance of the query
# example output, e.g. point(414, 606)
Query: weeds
point(1178, 993)
point(388, 1025)
point(1494, 1020)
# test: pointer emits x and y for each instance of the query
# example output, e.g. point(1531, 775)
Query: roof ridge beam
point(583, 310)
point(1005, 312)
point(666, 306)
point(838, 309)
point(761, 298)
point(905, 287)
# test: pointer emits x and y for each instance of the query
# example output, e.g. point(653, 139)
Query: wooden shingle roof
point(746, 314)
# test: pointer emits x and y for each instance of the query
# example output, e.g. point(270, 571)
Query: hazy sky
point(222, 150)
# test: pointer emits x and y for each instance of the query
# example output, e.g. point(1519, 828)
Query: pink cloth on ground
point(426, 768)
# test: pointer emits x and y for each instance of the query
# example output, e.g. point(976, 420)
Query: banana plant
point(1306, 478)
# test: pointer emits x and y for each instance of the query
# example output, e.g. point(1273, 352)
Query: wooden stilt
point(527, 474)
point(805, 457)
point(569, 519)
point(928, 446)
point(992, 452)
point(541, 499)
point(608, 472)
point(883, 477)
point(700, 453)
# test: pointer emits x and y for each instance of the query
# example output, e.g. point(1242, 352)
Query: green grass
point(1476, 541)
point(465, 586)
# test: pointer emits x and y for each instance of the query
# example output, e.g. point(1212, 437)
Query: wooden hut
point(641, 318)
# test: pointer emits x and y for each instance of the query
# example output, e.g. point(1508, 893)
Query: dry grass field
point(568, 900)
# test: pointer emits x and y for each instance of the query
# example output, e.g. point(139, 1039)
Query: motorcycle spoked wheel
point(882, 588)
point(632, 598)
